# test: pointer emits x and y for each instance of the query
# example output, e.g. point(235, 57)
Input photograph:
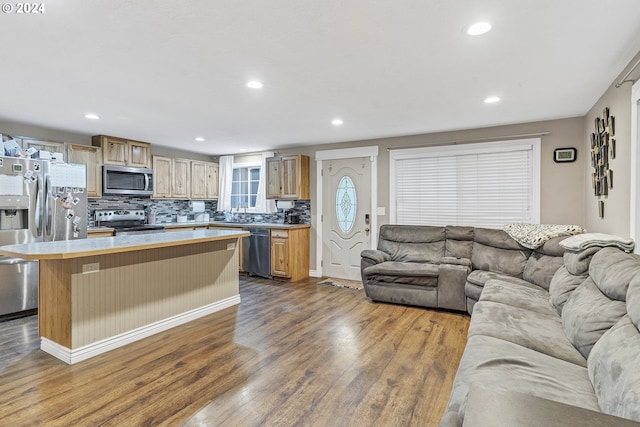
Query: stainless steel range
point(126, 222)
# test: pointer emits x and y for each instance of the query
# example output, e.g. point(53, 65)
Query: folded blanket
point(589, 240)
point(533, 236)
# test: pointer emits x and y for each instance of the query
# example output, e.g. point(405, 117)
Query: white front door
point(346, 216)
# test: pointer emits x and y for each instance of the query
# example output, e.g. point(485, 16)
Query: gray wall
point(53, 135)
point(562, 184)
point(618, 203)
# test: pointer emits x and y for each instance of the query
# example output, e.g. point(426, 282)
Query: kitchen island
point(99, 294)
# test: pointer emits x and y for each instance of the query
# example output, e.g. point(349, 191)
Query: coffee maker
point(291, 216)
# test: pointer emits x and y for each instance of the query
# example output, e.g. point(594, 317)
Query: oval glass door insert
point(346, 202)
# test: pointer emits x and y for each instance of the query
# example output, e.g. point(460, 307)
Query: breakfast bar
point(99, 294)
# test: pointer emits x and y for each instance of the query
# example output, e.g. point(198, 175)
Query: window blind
point(485, 185)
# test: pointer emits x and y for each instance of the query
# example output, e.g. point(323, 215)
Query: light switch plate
point(380, 210)
point(231, 246)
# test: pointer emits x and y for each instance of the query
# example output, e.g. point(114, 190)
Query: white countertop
point(105, 245)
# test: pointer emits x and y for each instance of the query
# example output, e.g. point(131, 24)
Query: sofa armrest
point(452, 276)
point(375, 256)
point(465, 262)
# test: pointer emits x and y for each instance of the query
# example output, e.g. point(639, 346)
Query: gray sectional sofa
point(577, 343)
point(447, 267)
point(549, 324)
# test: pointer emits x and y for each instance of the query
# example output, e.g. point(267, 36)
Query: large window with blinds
point(481, 184)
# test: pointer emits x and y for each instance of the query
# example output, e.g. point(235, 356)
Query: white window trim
point(481, 147)
point(248, 165)
point(634, 226)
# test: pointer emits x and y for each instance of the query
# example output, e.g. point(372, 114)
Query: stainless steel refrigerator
point(39, 201)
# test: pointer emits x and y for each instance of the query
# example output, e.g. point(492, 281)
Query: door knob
point(366, 230)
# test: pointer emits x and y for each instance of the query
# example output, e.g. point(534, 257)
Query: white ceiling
point(168, 71)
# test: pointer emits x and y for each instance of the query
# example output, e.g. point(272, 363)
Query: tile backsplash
point(167, 210)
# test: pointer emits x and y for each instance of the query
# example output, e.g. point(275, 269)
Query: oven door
point(126, 180)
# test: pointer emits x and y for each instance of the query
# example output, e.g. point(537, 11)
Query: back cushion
point(588, 314)
point(459, 241)
point(577, 263)
point(412, 243)
point(562, 286)
point(613, 370)
point(494, 250)
point(544, 262)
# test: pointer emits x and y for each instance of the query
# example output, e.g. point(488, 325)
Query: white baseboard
point(90, 350)
point(314, 273)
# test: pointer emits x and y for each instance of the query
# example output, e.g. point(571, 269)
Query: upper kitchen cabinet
point(92, 157)
point(172, 178)
point(162, 177)
point(204, 180)
point(288, 177)
point(212, 180)
point(53, 147)
point(123, 152)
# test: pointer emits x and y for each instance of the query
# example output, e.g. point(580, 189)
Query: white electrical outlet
point(231, 246)
point(94, 267)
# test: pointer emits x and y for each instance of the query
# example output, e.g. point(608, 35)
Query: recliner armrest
point(375, 255)
point(465, 262)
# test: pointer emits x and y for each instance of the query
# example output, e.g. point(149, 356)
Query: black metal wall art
point(603, 149)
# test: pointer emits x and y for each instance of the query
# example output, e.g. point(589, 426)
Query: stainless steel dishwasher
point(256, 252)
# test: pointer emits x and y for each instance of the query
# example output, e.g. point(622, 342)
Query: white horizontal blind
point(486, 185)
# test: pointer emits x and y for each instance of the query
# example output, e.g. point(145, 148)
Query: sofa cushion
point(411, 273)
point(588, 314)
point(633, 301)
point(613, 369)
point(562, 286)
point(540, 269)
point(459, 241)
point(480, 277)
point(499, 364)
point(540, 332)
point(612, 270)
point(412, 243)
point(577, 263)
point(494, 250)
point(529, 297)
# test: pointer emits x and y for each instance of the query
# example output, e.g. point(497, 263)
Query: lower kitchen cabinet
point(93, 233)
point(290, 253)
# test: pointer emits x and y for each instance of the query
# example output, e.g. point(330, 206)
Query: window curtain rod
point(465, 141)
point(624, 79)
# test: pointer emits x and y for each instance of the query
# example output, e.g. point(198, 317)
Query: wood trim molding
point(70, 356)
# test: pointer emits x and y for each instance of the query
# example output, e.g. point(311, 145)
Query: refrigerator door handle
point(38, 208)
point(47, 208)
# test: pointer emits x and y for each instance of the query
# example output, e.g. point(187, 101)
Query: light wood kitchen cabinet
point(94, 233)
point(212, 180)
point(53, 147)
point(91, 157)
point(181, 178)
point(204, 180)
point(162, 177)
point(290, 253)
point(288, 177)
point(123, 152)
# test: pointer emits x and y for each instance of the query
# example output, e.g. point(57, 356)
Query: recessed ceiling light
point(479, 28)
point(243, 149)
point(199, 139)
point(254, 84)
point(337, 122)
point(491, 100)
point(91, 116)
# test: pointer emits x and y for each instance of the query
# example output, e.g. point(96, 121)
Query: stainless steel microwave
point(127, 180)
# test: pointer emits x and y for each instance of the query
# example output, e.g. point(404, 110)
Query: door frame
point(634, 226)
point(337, 154)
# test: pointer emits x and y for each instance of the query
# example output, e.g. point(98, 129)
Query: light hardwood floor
point(291, 354)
